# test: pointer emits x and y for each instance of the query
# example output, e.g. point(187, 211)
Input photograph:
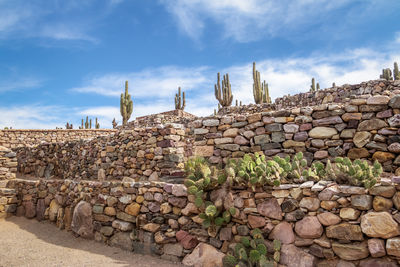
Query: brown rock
point(309, 227)
point(393, 246)
point(360, 139)
point(376, 247)
point(351, 252)
point(382, 204)
point(133, 209)
point(270, 208)
point(310, 203)
point(349, 214)
point(381, 262)
point(379, 224)
point(328, 218)
point(292, 256)
point(256, 221)
point(351, 116)
point(345, 231)
point(82, 221)
point(358, 153)
point(373, 124)
point(203, 151)
point(382, 156)
point(204, 255)
point(283, 232)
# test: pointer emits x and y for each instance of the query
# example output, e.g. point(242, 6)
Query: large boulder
point(204, 255)
point(82, 221)
point(379, 224)
point(283, 232)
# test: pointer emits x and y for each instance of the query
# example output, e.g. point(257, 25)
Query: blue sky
point(63, 60)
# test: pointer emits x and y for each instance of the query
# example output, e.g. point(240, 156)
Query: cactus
point(82, 127)
point(333, 84)
point(180, 101)
point(223, 94)
point(69, 126)
point(90, 124)
point(312, 87)
point(386, 74)
point(252, 252)
point(240, 103)
point(260, 90)
point(317, 86)
point(396, 73)
point(126, 105)
point(114, 123)
point(97, 125)
point(87, 123)
point(215, 112)
point(237, 103)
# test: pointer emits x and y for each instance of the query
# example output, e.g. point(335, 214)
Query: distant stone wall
point(140, 153)
point(321, 224)
point(22, 138)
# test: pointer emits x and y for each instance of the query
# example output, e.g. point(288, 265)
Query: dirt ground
point(25, 242)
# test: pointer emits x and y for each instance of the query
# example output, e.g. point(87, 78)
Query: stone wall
point(8, 164)
point(321, 224)
point(140, 153)
point(27, 138)
point(363, 127)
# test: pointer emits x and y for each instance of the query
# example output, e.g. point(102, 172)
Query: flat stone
point(211, 122)
point(358, 153)
point(256, 221)
point(378, 100)
point(351, 252)
point(379, 262)
point(394, 102)
point(173, 249)
point(394, 121)
point(322, 132)
point(382, 204)
point(372, 124)
point(203, 151)
point(383, 191)
point(121, 225)
point(345, 231)
point(379, 224)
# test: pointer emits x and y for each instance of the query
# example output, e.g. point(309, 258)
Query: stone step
point(7, 192)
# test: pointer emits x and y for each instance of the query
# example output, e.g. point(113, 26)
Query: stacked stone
point(8, 169)
point(28, 138)
point(173, 116)
point(323, 223)
point(8, 164)
point(141, 154)
point(367, 127)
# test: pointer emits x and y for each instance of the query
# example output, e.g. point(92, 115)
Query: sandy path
point(26, 242)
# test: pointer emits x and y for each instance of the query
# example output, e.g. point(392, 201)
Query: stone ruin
point(123, 187)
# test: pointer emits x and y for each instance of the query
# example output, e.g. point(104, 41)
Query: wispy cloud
point(250, 20)
point(156, 82)
point(56, 20)
point(19, 84)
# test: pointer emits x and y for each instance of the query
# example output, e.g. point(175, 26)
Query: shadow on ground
point(29, 242)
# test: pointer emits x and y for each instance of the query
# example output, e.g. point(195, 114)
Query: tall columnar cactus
point(90, 124)
point(333, 84)
point(97, 124)
point(396, 73)
point(312, 87)
point(180, 101)
point(87, 123)
point(82, 126)
point(318, 87)
point(260, 90)
point(69, 126)
point(386, 74)
point(223, 94)
point(126, 105)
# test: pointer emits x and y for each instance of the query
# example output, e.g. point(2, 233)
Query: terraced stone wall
point(8, 163)
point(28, 138)
point(366, 127)
point(321, 224)
point(141, 154)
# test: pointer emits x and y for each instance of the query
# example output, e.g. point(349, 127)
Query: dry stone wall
point(365, 127)
point(141, 154)
point(8, 163)
point(322, 224)
point(28, 138)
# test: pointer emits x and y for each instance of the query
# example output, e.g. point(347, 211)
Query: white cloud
point(157, 82)
point(19, 84)
point(31, 117)
point(250, 20)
